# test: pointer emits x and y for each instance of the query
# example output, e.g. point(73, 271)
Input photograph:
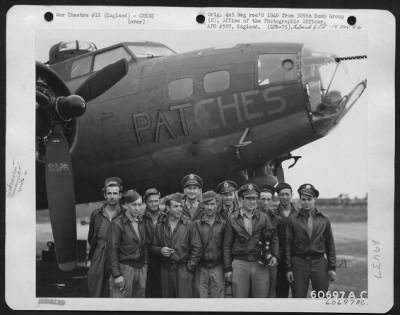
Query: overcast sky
point(335, 164)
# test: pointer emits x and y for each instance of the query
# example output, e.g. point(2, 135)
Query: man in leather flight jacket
point(180, 250)
point(241, 251)
point(309, 239)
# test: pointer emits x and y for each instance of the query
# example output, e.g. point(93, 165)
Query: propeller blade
point(102, 80)
point(61, 199)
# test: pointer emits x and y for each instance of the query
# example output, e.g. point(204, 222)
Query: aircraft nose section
point(332, 85)
point(333, 107)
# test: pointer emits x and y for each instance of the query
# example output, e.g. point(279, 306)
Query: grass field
point(349, 225)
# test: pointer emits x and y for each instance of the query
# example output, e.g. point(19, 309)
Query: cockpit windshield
point(150, 51)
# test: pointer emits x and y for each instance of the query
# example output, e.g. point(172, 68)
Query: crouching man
point(210, 227)
point(179, 248)
point(128, 243)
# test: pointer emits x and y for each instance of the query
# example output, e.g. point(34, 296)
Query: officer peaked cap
point(308, 190)
point(192, 179)
point(248, 189)
point(226, 186)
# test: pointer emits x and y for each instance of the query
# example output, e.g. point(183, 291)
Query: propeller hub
point(70, 107)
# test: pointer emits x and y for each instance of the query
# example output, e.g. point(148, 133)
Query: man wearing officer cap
point(152, 214)
point(285, 209)
point(243, 231)
point(100, 219)
point(192, 185)
point(229, 204)
point(309, 238)
point(210, 228)
point(179, 248)
point(128, 244)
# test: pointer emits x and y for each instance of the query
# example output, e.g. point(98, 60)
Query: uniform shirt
point(298, 241)
point(190, 211)
point(225, 212)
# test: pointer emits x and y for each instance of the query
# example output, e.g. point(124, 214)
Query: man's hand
point(166, 251)
point(332, 275)
point(289, 276)
point(273, 262)
point(228, 277)
point(88, 264)
point(120, 282)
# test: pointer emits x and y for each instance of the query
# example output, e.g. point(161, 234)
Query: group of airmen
point(223, 243)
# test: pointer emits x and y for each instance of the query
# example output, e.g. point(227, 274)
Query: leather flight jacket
point(298, 243)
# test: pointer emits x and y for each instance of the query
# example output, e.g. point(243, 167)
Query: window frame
point(216, 71)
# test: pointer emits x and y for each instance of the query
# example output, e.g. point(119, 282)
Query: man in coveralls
point(100, 219)
point(243, 231)
point(285, 209)
point(180, 250)
point(309, 239)
point(128, 243)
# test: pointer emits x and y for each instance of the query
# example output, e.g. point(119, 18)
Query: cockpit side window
point(108, 57)
point(274, 68)
point(81, 66)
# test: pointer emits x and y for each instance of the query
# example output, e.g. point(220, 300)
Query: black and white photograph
point(230, 154)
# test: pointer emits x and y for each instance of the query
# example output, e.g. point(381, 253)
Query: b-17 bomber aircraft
point(143, 112)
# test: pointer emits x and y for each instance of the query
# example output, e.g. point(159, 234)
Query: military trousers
point(176, 281)
point(273, 274)
point(250, 279)
point(153, 284)
point(282, 285)
point(210, 281)
point(135, 282)
point(306, 269)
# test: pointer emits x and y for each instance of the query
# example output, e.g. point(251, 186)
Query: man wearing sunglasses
point(243, 232)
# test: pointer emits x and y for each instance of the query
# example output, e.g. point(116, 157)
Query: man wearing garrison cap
point(243, 232)
point(285, 209)
point(100, 219)
point(309, 239)
point(179, 248)
point(210, 228)
point(192, 186)
point(128, 243)
point(229, 204)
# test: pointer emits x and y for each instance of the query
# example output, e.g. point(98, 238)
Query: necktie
point(309, 225)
